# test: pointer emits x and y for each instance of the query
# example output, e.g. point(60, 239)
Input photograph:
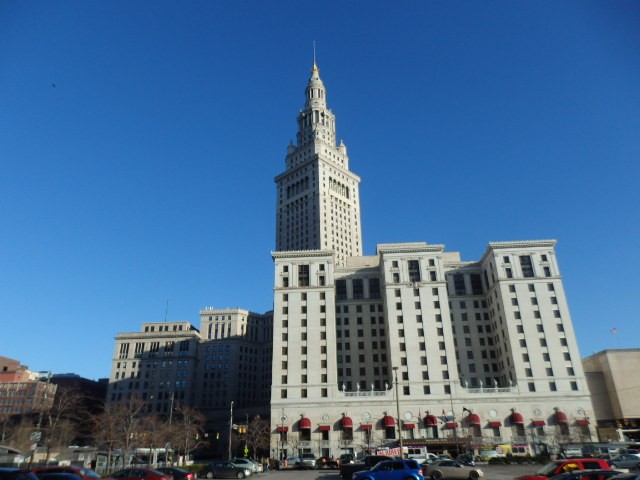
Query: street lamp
point(395, 371)
point(230, 428)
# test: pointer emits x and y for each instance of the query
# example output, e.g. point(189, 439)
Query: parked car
point(11, 473)
point(308, 460)
point(58, 476)
point(348, 469)
point(392, 470)
point(564, 466)
point(466, 459)
point(177, 473)
point(224, 469)
point(85, 473)
point(586, 475)
point(627, 476)
point(625, 460)
point(140, 473)
point(326, 463)
point(450, 469)
point(245, 463)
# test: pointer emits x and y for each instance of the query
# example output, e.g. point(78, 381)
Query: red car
point(140, 473)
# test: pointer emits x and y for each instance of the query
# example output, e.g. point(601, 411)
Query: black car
point(224, 469)
point(466, 459)
point(9, 473)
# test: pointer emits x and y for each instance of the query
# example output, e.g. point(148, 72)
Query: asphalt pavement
point(491, 472)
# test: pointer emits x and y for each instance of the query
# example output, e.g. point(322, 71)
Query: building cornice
point(302, 253)
point(415, 247)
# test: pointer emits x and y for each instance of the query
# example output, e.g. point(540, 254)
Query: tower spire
point(314, 55)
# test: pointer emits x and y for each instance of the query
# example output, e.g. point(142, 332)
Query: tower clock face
point(537, 412)
point(408, 415)
point(580, 411)
point(325, 418)
point(366, 416)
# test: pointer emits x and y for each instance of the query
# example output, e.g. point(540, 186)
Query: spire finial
point(314, 53)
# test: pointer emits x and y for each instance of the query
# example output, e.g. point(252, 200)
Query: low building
point(612, 377)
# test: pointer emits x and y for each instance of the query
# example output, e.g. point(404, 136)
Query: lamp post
point(230, 428)
point(395, 371)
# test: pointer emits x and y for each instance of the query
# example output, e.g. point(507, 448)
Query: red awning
point(516, 418)
point(451, 425)
point(582, 421)
point(561, 417)
point(304, 423)
point(347, 422)
point(473, 419)
point(538, 423)
point(365, 426)
point(431, 421)
point(388, 421)
point(283, 429)
point(495, 424)
point(324, 428)
point(408, 426)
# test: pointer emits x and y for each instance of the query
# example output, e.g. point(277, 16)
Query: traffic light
point(217, 435)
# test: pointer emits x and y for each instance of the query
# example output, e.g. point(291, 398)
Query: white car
point(246, 463)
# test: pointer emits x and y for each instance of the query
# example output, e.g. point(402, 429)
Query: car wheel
point(240, 475)
point(478, 459)
point(436, 475)
point(474, 475)
point(209, 474)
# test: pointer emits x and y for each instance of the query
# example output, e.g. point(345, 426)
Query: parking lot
point(491, 472)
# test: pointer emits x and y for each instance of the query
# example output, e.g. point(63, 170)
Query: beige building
point(615, 391)
point(412, 342)
point(227, 360)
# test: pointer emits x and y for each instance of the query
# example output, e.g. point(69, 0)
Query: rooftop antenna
point(166, 310)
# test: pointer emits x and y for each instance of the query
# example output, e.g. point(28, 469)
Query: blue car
point(392, 470)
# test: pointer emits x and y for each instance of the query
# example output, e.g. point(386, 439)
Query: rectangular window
point(458, 284)
point(374, 288)
point(476, 284)
point(526, 266)
point(358, 288)
point(341, 289)
point(414, 270)
point(303, 275)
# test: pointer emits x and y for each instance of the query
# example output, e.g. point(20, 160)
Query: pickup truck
point(348, 469)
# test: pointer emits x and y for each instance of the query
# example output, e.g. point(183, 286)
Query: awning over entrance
point(365, 426)
point(451, 425)
point(430, 421)
point(560, 417)
point(283, 429)
point(538, 423)
point(472, 419)
point(388, 421)
point(324, 428)
point(582, 421)
point(347, 422)
point(516, 418)
point(304, 423)
point(495, 424)
point(408, 426)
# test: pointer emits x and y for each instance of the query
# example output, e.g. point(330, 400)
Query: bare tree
point(62, 418)
point(187, 423)
point(258, 436)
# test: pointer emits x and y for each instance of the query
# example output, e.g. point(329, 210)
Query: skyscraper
point(318, 200)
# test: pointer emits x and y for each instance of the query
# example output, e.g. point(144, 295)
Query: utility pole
point(395, 371)
point(230, 428)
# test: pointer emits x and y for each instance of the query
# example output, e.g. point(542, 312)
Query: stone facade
point(615, 390)
point(318, 201)
point(412, 341)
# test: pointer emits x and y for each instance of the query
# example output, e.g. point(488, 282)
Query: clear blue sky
point(139, 141)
